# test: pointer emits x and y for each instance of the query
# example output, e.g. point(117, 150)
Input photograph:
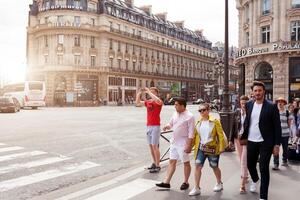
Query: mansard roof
point(171, 25)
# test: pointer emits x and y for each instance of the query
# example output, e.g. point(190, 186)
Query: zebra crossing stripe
point(21, 155)
point(10, 149)
point(41, 162)
point(126, 191)
point(2, 144)
point(42, 176)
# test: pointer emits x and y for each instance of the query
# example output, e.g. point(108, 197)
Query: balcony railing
point(139, 37)
point(68, 7)
point(158, 74)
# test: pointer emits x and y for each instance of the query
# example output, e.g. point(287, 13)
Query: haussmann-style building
point(92, 50)
point(269, 47)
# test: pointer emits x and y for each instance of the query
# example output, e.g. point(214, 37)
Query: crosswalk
point(22, 168)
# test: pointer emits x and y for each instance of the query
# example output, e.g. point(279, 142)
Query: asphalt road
point(53, 148)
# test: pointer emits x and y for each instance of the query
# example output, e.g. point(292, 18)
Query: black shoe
point(152, 166)
point(276, 167)
point(163, 185)
point(155, 170)
point(184, 186)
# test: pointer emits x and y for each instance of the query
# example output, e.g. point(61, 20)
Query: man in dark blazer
point(263, 131)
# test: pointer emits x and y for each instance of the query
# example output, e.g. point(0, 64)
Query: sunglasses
point(201, 110)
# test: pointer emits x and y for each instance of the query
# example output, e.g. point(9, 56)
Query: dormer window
point(77, 3)
point(47, 4)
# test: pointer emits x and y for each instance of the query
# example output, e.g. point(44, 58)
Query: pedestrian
point(234, 138)
point(263, 131)
point(182, 123)
point(285, 133)
point(292, 120)
point(154, 106)
point(209, 142)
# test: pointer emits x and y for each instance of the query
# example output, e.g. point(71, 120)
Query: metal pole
point(226, 113)
point(226, 106)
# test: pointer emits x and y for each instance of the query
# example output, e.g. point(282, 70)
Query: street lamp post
point(226, 113)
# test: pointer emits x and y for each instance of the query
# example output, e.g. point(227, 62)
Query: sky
point(197, 14)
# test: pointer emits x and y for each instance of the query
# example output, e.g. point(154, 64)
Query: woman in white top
point(241, 148)
point(209, 142)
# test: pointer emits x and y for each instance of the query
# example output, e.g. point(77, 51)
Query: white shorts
point(177, 153)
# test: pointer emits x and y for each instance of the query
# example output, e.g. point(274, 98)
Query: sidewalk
point(139, 184)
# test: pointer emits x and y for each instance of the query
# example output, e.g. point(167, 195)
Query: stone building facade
point(269, 48)
point(87, 50)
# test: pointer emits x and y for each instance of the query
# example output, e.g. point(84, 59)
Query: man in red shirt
point(153, 105)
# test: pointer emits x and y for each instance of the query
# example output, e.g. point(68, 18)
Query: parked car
point(9, 104)
point(198, 101)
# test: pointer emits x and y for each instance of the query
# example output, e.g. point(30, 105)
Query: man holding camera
point(154, 106)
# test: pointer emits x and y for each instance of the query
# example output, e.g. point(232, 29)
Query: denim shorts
point(212, 159)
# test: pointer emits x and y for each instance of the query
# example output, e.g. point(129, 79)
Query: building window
point(60, 39)
point(77, 41)
point(60, 2)
point(92, 7)
point(60, 20)
point(119, 63)
point(46, 20)
point(295, 3)
point(93, 21)
point(119, 46)
point(92, 42)
point(114, 81)
point(110, 44)
point(47, 4)
point(93, 61)
point(247, 39)
point(60, 59)
point(265, 34)
point(295, 31)
point(111, 26)
point(77, 21)
point(77, 3)
point(46, 59)
point(247, 13)
point(46, 41)
point(77, 59)
point(266, 7)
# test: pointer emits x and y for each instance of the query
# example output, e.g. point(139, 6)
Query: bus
point(29, 93)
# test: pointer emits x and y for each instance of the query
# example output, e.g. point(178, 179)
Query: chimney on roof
point(179, 24)
point(129, 3)
point(147, 9)
point(162, 16)
point(199, 32)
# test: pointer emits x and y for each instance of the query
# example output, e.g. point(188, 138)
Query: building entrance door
point(113, 95)
point(264, 73)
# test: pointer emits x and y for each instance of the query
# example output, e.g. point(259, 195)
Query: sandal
point(242, 190)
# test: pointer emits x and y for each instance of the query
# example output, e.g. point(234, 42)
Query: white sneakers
point(218, 187)
point(195, 191)
point(252, 186)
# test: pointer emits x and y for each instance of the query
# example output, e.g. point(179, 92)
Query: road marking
point(2, 144)
point(126, 191)
point(21, 155)
point(102, 185)
point(10, 149)
point(50, 174)
point(41, 162)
